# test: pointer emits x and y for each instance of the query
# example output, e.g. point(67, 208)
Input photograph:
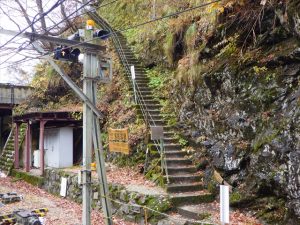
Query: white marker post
point(224, 204)
point(63, 187)
point(132, 70)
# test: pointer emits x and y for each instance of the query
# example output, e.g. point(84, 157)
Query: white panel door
point(52, 148)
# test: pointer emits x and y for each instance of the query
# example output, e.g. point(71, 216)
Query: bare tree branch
point(41, 12)
point(24, 12)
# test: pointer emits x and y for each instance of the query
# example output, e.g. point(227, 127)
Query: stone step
point(169, 134)
point(146, 92)
point(8, 155)
point(178, 162)
point(141, 79)
point(147, 97)
point(170, 140)
point(181, 170)
point(9, 148)
point(144, 89)
point(151, 102)
point(175, 154)
point(196, 212)
point(157, 122)
point(191, 198)
point(185, 178)
point(172, 147)
point(153, 111)
point(151, 106)
point(184, 187)
point(142, 82)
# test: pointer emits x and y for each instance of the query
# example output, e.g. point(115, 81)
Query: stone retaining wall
point(128, 204)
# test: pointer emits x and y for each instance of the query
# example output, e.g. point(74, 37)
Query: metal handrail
point(126, 65)
point(7, 140)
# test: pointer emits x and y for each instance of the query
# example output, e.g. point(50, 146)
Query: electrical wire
point(147, 22)
point(138, 25)
point(67, 18)
point(59, 2)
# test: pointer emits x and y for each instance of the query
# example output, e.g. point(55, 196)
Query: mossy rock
point(34, 180)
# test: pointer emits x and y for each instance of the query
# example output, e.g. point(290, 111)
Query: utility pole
point(91, 126)
point(89, 76)
point(92, 135)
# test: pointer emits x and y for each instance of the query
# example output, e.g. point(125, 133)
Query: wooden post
point(16, 145)
point(41, 146)
point(27, 150)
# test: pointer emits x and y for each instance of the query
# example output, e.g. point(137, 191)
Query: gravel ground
point(61, 211)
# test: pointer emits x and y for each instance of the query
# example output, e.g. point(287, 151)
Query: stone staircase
point(8, 153)
point(185, 183)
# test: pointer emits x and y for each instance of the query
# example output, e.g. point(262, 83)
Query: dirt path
point(61, 211)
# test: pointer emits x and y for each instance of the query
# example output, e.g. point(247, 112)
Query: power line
point(68, 17)
point(59, 2)
point(170, 15)
point(149, 21)
point(138, 25)
point(22, 48)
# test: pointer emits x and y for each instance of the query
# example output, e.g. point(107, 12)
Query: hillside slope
point(230, 72)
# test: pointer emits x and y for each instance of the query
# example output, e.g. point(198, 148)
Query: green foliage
point(235, 197)
point(230, 49)
point(183, 142)
point(154, 172)
point(158, 78)
point(259, 70)
point(77, 115)
point(169, 47)
point(190, 37)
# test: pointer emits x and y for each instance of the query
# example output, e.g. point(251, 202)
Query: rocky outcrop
point(245, 118)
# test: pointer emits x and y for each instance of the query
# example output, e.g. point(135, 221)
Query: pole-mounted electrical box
point(105, 70)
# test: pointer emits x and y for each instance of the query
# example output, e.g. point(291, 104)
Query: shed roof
point(47, 116)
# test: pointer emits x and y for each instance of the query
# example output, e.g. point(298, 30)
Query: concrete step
point(184, 187)
point(169, 134)
point(142, 83)
point(155, 117)
point(150, 102)
point(184, 178)
point(157, 122)
point(151, 106)
point(178, 162)
point(195, 212)
point(191, 198)
point(147, 97)
point(172, 147)
point(178, 170)
point(145, 88)
point(170, 140)
point(146, 92)
point(142, 79)
point(175, 154)
point(153, 111)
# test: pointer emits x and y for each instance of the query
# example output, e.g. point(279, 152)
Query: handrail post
point(163, 159)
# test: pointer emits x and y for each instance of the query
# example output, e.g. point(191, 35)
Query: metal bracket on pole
point(68, 80)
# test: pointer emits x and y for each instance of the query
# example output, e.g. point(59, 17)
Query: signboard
point(157, 132)
point(118, 140)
